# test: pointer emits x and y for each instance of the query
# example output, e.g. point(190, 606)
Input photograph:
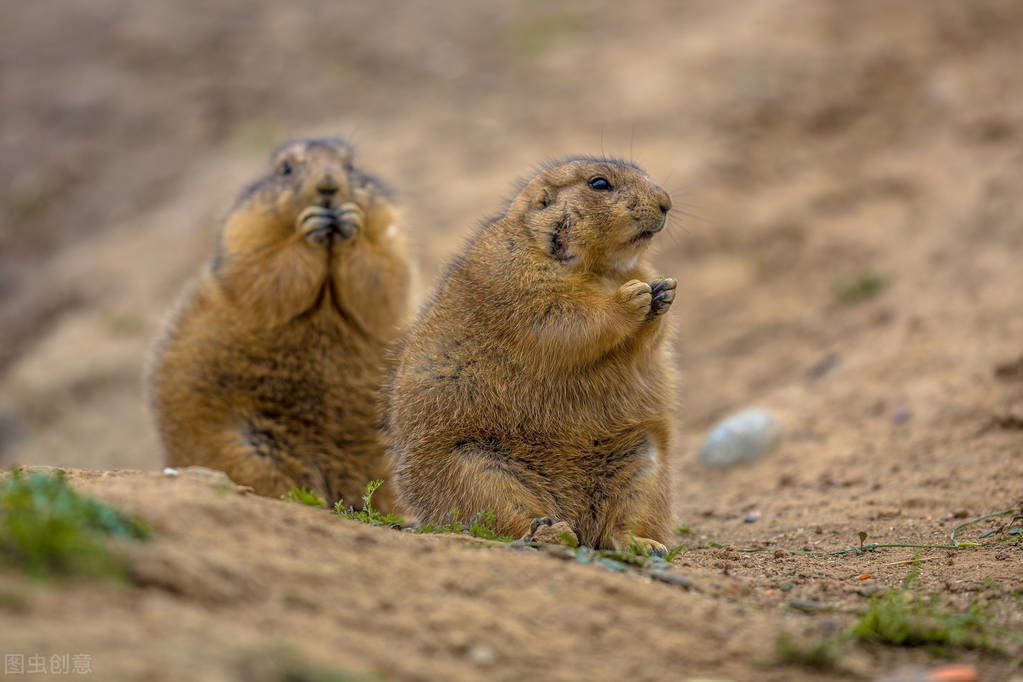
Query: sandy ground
point(804, 144)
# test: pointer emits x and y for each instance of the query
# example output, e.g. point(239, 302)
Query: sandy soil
point(804, 143)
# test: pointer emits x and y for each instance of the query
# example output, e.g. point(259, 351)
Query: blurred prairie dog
point(270, 367)
point(537, 382)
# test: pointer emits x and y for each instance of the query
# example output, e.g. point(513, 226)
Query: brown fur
point(537, 382)
point(270, 367)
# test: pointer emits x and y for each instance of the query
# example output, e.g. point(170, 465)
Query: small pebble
point(743, 437)
point(481, 654)
point(751, 518)
point(168, 471)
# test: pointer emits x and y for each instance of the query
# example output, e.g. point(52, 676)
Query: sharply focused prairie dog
point(537, 382)
point(270, 367)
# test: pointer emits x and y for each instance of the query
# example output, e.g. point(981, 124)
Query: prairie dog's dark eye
point(600, 184)
point(285, 168)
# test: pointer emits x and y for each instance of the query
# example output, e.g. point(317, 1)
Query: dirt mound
point(236, 586)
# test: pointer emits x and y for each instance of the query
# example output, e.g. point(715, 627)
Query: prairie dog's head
point(592, 214)
point(312, 194)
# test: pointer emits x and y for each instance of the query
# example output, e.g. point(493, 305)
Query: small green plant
point(820, 653)
point(368, 514)
point(684, 529)
point(303, 496)
point(1010, 532)
point(49, 529)
point(568, 539)
point(673, 553)
point(905, 617)
point(481, 525)
point(859, 287)
point(452, 526)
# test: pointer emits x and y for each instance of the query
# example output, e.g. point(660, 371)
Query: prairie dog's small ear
point(544, 198)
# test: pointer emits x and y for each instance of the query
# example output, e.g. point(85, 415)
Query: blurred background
point(847, 176)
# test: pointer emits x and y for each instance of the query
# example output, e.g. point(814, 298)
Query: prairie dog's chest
point(304, 361)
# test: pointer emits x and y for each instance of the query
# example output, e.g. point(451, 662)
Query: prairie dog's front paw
point(635, 298)
point(645, 545)
point(328, 226)
point(662, 292)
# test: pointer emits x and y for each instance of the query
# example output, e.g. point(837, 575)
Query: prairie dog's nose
point(663, 200)
point(327, 186)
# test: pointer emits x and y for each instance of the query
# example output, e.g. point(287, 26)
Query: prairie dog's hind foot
point(551, 531)
point(648, 546)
